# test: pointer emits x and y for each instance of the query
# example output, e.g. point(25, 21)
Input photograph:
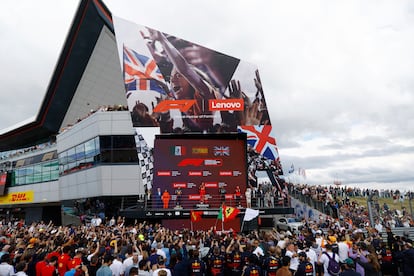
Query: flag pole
point(191, 221)
point(241, 230)
point(222, 218)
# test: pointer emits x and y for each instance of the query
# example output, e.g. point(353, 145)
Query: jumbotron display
point(199, 170)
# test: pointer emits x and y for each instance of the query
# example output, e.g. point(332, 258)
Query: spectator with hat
point(348, 268)
point(305, 267)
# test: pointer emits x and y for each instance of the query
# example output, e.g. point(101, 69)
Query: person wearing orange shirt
point(166, 199)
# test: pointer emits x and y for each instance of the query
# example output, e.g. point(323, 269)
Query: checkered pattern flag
point(145, 159)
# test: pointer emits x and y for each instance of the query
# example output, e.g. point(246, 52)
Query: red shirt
point(47, 270)
point(63, 262)
point(74, 262)
point(39, 266)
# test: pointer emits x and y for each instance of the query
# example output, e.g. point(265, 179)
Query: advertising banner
point(181, 86)
point(17, 197)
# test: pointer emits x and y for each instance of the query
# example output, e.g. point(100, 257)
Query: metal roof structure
point(87, 75)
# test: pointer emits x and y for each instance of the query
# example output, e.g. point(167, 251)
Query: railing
point(209, 201)
point(315, 204)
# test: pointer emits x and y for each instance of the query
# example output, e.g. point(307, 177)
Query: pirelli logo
point(226, 105)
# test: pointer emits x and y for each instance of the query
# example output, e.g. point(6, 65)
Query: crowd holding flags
point(196, 216)
point(225, 214)
point(260, 138)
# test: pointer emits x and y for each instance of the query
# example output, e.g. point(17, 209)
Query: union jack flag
point(258, 137)
point(141, 72)
point(221, 150)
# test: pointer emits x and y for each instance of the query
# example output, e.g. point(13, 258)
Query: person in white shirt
point(5, 268)
point(258, 251)
point(130, 261)
point(324, 259)
point(117, 267)
point(343, 250)
point(160, 251)
point(378, 226)
point(294, 259)
point(21, 269)
point(161, 266)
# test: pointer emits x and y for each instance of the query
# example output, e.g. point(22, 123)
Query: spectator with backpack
point(330, 261)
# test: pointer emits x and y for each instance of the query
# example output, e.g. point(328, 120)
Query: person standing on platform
point(248, 194)
point(165, 199)
point(178, 194)
point(158, 200)
point(237, 195)
point(222, 192)
point(202, 191)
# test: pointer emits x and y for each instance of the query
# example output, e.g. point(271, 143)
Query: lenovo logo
point(226, 105)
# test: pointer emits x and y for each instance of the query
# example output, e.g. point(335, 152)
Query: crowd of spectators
point(339, 203)
point(140, 248)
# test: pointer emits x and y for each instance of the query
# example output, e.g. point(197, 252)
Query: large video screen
point(181, 86)
point(199, 170)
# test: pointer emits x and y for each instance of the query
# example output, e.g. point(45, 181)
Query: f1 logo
point(181, 105)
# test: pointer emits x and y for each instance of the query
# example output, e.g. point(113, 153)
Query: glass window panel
point(29, 179)
point(90, 149)
point(97, 144)
point(20, 180)
point(37, 178)
point(54, 175)
point(106, 156)
point(125, 156)
point(63, 158)
point(105, 142)
point(71, 155)
point(46, 176)
point(37, 169)
point(123, 142)
point(80, 152)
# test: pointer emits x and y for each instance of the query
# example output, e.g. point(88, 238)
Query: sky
point(338, 76)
